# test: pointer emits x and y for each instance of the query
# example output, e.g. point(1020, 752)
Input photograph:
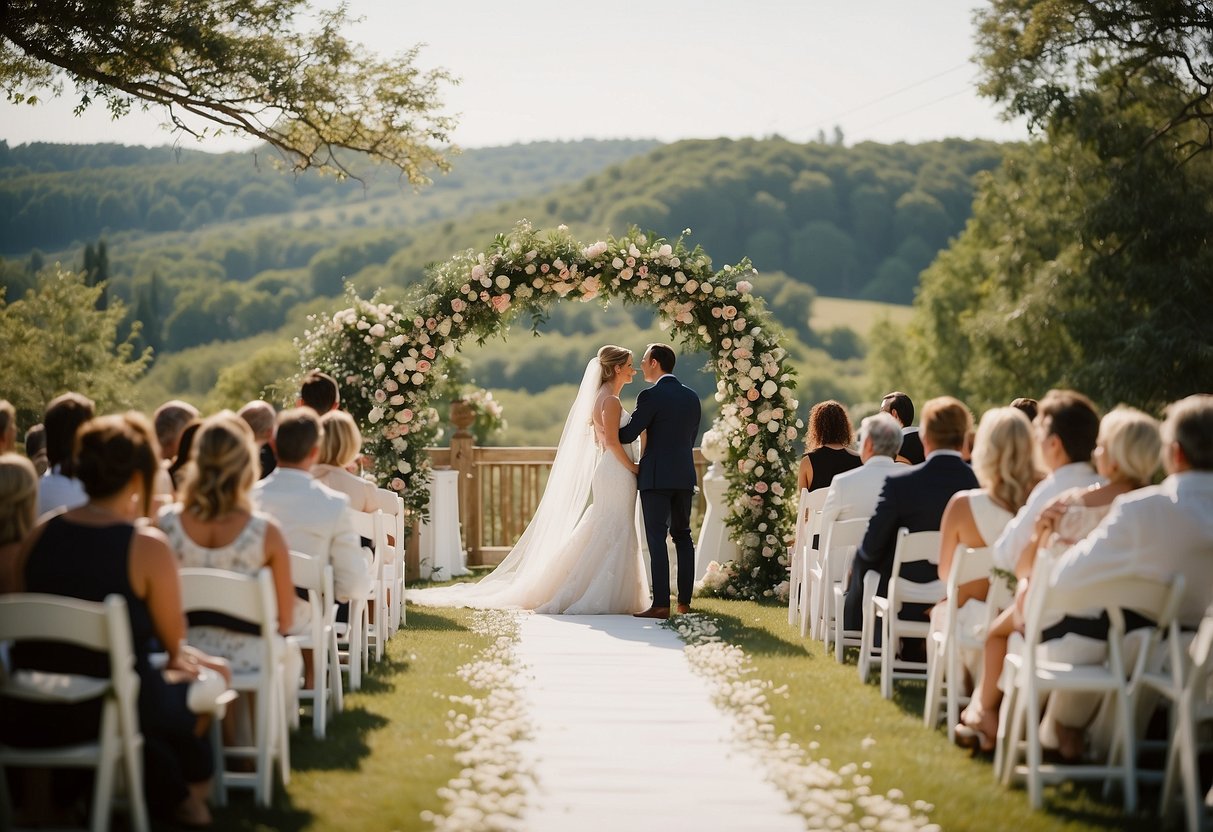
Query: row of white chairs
point(815, 599)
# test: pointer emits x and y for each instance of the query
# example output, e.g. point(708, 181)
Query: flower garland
point(389, 363)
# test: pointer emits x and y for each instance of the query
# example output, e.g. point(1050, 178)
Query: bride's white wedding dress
point(572, 559)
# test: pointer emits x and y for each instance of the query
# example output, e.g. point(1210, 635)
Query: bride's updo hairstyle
point(610, 357)
point(223, 467)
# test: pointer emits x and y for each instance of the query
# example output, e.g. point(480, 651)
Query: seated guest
point(854, 493)
point(170, 420)
point(1004, 460)
point(260, 417)
point(340, 443)
point(35, 447)
point(18, 504)
point(913, 498)
point(96, 550)
point(214, 526)
point(1028, 407)
point(316, 518)
point(319, 392)
point(1155, 532)
point(1126, 456)
point(829, 454)
point(8, 426)
point(59, 487)
point(900, 406)
point(1067, 426)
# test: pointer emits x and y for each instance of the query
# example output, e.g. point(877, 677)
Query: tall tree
point(55, 339)
point(234, 66)
point(1087, 260)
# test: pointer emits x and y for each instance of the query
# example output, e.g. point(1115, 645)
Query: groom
point(669, 413)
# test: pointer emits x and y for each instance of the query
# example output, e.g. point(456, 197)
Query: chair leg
point(1193, 803)
point(335, 672)
point(1032, 734)
point(793, 585)
point(264, 733)
point(320, 687)
point(930, 708)
point(103, 785)
point(1128, 747)
point(1006, 748)
point(887, 653)
point(219, 783)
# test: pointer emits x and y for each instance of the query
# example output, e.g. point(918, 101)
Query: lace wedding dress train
point(572, 559)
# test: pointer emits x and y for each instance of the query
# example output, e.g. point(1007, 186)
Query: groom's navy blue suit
point(669, 412)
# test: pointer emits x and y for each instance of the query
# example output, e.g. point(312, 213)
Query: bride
point(574, 559)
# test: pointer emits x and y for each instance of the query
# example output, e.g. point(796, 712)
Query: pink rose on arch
point(631, 261)
point(752, 394)
point(429, 352)
point(761, 487)
point(545, 268)
point(423, 366)
point(716, 312)
point(397, 484)
point(745, 287)
point(751, 429)
point(729, 312)
point(642, 271)
point(501, 302)
point(457, 305)
point(484, 297)
point(430, 324)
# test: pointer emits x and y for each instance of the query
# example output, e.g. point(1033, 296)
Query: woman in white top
point(1005, 463)
point(340, 443)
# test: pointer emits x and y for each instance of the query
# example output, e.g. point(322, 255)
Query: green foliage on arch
point(390, 362)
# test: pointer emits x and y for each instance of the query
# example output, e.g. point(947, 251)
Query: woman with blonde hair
point(214, 526)
point(18, 513)
point(340, 442)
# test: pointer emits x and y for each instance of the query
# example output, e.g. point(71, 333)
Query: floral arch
point(389, 362)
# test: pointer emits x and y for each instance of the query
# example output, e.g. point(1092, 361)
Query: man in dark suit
point(914, 498)
point(668, 414)
point(901, 407)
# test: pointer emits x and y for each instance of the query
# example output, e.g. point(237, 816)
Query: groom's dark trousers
point(669, 413)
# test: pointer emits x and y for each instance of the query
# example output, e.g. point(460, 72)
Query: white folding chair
point(1186, 687)
point(392, 506)
point(106, 628)
point(316, 577)
point(363, 628)
point(808, 515)
point(1034, 678)
point(839, 541)
point(249, 598)
point(911, 547)
point(945, 678)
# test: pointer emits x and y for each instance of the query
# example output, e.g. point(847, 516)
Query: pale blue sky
point(885, 70)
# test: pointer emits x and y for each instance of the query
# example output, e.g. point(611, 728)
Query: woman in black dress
point(829, 447)
point(97, 550)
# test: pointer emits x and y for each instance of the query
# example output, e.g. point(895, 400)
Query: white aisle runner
point(626, 737)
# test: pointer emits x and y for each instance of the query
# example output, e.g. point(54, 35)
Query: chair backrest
point(102, 626)
point(911, 547)
point(969, 564)
point(1155, 599)
point(839, 543)
point(371, 526)
point(247, 597)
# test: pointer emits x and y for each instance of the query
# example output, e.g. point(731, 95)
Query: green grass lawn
point(906, 756)
point(859, 315)
point(384, 758)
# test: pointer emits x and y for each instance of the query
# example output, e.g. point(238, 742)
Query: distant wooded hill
point(223, 249)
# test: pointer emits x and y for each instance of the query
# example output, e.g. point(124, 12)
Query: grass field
point(859, 315)
point(826, 703)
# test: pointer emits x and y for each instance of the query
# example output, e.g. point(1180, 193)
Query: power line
point(916, 109)
point(834, 119)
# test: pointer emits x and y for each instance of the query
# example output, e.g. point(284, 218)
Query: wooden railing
point(499, 489)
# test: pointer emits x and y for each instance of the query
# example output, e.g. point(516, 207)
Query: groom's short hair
point(663, 354)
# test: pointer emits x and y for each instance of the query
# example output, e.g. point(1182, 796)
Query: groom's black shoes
point(653, 612)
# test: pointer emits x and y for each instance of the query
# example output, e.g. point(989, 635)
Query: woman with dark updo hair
point(100, 549)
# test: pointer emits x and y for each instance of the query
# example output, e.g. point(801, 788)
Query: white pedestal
point(714, 542)
point(440, 547)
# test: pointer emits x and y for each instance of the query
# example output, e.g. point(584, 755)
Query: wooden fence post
point(463, 460)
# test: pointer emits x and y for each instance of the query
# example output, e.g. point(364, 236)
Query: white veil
point(526, 579)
